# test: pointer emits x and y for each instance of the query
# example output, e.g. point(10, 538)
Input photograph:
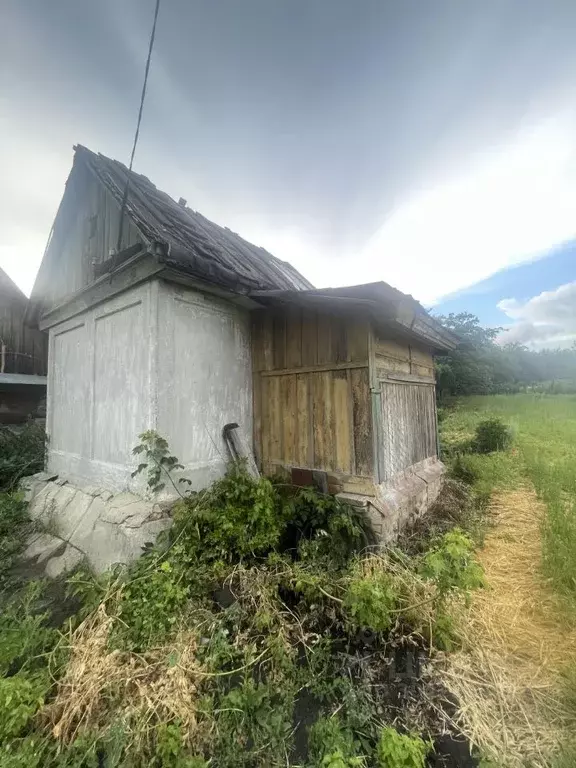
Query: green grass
point(544, 450)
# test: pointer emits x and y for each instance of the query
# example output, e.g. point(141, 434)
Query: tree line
point(481, 366)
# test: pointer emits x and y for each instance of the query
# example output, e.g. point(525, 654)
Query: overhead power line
point(137, 133)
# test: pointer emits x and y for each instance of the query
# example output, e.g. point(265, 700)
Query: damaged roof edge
point(382, 301)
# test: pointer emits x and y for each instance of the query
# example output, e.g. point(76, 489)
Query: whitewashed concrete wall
point(205, 378)
point(155, 357)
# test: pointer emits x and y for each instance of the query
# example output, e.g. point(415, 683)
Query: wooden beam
point(315, 369)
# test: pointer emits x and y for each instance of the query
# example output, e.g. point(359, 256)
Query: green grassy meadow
point(544, 452)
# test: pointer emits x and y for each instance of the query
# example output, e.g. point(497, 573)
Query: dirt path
point(508, 677)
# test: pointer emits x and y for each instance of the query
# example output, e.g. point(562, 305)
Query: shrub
point(332, 745)
point(492, 435)
point(13, 517)
point(371, 599)
point(151, 602)
point(20, 698)
point(463, 470)
point(322, 527)
point(451, 563)
point(21, 453)
point(397, 750)
point(237, 517)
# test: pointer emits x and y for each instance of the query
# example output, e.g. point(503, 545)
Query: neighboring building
point(23, 358)
point(170, 322)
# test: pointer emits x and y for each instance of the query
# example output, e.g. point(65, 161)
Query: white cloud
point(546, 320)
point(518, 201)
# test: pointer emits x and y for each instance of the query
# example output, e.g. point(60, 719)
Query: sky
point(428, 144)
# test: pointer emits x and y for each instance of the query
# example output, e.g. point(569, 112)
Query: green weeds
point(254, 608)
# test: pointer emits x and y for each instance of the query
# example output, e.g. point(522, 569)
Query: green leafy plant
point(14, 523)
point(22, 452)
point(370, 600)
point(20, 698)
point(238, 517)
point(158, 461)
point(151, 602)
point(491, 435)
point(321, 526)
point(24, 635)
point(451, 563)
point(332, 745)
point(397, 750)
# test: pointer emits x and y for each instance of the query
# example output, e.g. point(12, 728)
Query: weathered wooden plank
point(410, 378)
point(318, 420)
point(294, 337)
point(305, 452)
point(289, 419)
point(340, 339)
point(279, 340)
point(275, 419)
point(343, 434)
point(265, 421)
point(357, 341)
point(324, 330)
point(362, 409)
point(309, 338)
point(257, 417)
point(408, 426)
point(315, 368)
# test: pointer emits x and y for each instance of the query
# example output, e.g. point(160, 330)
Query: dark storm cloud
point(316, 114)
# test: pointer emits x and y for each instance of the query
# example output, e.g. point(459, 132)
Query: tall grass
point(545, 450)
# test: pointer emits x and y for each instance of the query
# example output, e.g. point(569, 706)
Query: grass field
point(521, 652)
point(544, 451)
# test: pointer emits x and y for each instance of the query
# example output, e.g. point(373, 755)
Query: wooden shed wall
point(406, 411)
point(85, 232)
point(22, 349)
point(312, 391)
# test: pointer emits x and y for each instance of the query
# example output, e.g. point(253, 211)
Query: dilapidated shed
point(344, 395)
point(160, 319)
point(23, 358)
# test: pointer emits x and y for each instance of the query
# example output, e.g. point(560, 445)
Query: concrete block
point(69, 559)
point(41, 546)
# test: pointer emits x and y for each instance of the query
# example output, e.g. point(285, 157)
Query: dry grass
point(516, 644)
point(102, 687)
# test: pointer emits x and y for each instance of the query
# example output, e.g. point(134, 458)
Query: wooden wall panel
point(312, 395)
point(25, 350)
point(408, 426)
point(343, 423)
point(396, 357)
point(287, 339)
point(305, 437)
point(362, 421)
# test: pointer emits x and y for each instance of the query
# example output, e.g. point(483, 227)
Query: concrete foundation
point(88, 524)
point(401, 500)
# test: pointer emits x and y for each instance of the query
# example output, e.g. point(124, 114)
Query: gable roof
point(9, 288)
point(190, 242)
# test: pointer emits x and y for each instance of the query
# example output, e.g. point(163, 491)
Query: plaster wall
point(155, 357)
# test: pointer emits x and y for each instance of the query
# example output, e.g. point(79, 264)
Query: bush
point(20, 698)
point(332, 744)
point(322, 527)
point(451, 563)
point(397, 750)
point(21, 453)
point(370, 600)
point(237, 517)
point(13, 518)
point(492, 435)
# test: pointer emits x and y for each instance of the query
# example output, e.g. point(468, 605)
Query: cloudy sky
point(428, 144)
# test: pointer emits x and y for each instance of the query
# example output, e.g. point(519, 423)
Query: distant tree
point(481, 366)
